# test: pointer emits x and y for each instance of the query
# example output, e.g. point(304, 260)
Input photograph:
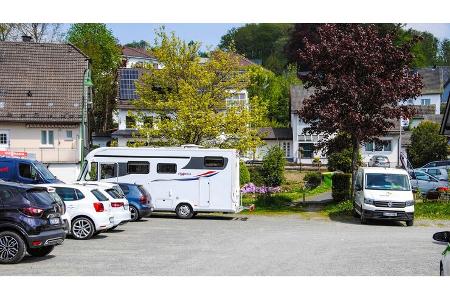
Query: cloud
point(440, 30)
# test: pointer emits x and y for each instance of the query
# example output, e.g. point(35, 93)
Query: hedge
point(313, 179)
point(341, 186)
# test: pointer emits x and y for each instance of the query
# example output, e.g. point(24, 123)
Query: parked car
point(89, 209)
point(25, 171)
point(444, 266)
point(65, 215)
point(383, 193)
point(139, 199)
point(379, 161)
point(30, 221)
point(443, 164)
point(424, 182)
point(119, 204)
point(439, 173)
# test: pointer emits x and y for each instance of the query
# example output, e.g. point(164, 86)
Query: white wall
point(392, 155)
point(434, 99)
point(261, 151)
point(298, 127)
point(65, 172)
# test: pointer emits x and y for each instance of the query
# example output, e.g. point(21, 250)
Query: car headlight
point(409, 203)
point(368, 201)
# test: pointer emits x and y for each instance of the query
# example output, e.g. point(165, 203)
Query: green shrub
point(341, 185)
point(313, 179)
point(255, 175)
point(427, 144)
point(244, 174)
point(272, 168)
point(342, 161)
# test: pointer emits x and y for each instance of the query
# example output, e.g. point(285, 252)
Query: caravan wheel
point(184, 211)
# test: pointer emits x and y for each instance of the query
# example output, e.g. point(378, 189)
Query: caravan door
point(205, 191)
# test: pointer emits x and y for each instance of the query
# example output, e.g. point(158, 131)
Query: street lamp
point(87, 83)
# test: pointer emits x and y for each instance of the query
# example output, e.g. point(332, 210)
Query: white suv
point(89, 209)
point(119, 204)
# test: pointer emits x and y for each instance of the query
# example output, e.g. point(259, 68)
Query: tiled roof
point(41, 82)
point(270, 133)
point(434, 79)
point(137, 52)
point(298, 94)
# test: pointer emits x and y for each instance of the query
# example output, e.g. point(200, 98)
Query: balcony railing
point(50, 155)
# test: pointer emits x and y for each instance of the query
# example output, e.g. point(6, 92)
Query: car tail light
point(442, 189)
point(36, 243)
point(32, 211)
point(116, 204)
point(143, 199)
point(98, 207)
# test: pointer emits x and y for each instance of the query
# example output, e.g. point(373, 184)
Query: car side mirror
point(443, 236)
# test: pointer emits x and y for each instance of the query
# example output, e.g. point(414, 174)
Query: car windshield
point(99, 195)
point(390, 182)
point(44, 171)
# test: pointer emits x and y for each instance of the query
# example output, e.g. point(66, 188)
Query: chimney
point(26, 38)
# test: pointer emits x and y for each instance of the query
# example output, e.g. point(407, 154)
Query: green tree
point(272, 168)
point(98, 42)
point(426, 49)
point(273, 91)
point(244, 173)
point(138, 44)
point(339, 152)
point(189, 97)
point(263, 41)
point(427, 144)
point(444, 57)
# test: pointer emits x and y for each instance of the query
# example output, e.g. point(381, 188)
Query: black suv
point(29, 222)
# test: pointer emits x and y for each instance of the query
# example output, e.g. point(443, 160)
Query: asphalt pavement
point(246, 245)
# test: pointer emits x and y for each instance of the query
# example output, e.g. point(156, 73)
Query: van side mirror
point(443, 236)
point(358, 187)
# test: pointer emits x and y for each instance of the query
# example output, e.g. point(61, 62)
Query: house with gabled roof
point(41, 97)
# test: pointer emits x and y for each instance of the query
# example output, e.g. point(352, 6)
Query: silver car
point(444, 237)
point(379, 161)
point(424, 182)
point(439, 173)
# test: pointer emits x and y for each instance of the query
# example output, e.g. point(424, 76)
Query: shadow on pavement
point(348, 219)
point(115, 231)
point(31, 259)
point(199, 216)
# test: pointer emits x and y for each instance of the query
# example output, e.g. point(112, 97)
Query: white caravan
point(184, 180)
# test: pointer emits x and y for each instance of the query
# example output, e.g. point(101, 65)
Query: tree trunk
point(355, 149)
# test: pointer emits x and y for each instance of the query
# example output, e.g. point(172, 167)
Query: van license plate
point(54, 221)
point(390, 214)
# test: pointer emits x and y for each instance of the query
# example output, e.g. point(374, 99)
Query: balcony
point(50, 155)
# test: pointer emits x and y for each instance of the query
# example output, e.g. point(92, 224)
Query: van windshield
point(389, 182)
point(44, 171)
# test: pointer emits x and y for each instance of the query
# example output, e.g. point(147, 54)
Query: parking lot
point(245, 245)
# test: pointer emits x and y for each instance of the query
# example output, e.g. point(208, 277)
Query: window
point(47, 138)
point(138, 167)
point(166, 168)
point(306, 150)
point(286, 146)
point(67, 194)
point(130, 122)
point(108, 171)
point(69, 135)
point(389, 182)
point(425, 101)
point(379, 146)
point(4, 140)
point(113, 193)
point(125, 188)
point(80, 195)
point(92, 174)
point(213, 162)
point(27, 171)
point(99, 195)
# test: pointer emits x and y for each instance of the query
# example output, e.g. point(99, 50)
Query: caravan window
point(166, 168)
point(138, 167)
point(108, 171)
point(214, 162)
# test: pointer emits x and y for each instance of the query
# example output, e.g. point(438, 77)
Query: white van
point(384, 193)
point(183, 180)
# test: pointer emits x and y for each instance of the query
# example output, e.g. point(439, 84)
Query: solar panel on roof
point(127, 89)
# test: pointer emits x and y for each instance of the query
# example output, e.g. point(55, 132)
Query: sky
point(210, 34)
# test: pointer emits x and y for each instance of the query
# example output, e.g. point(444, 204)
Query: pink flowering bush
point(251, 188)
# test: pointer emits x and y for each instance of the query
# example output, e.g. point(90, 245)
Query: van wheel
point(82, 228)
point(12, 247)
point(410, 222)
point(40, 252)
point(184, 211)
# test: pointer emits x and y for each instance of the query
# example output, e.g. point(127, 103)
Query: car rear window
point(125, 189)
point(99, 195)
point(40, 198)
point(113, 193)
point(142, 189)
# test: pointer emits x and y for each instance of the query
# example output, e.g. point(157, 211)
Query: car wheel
point(12, 247)
point(410, 222)
point(441, 269)
point(134, 213)
point(40, 252)
point(82, 228)
point(184, 211)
